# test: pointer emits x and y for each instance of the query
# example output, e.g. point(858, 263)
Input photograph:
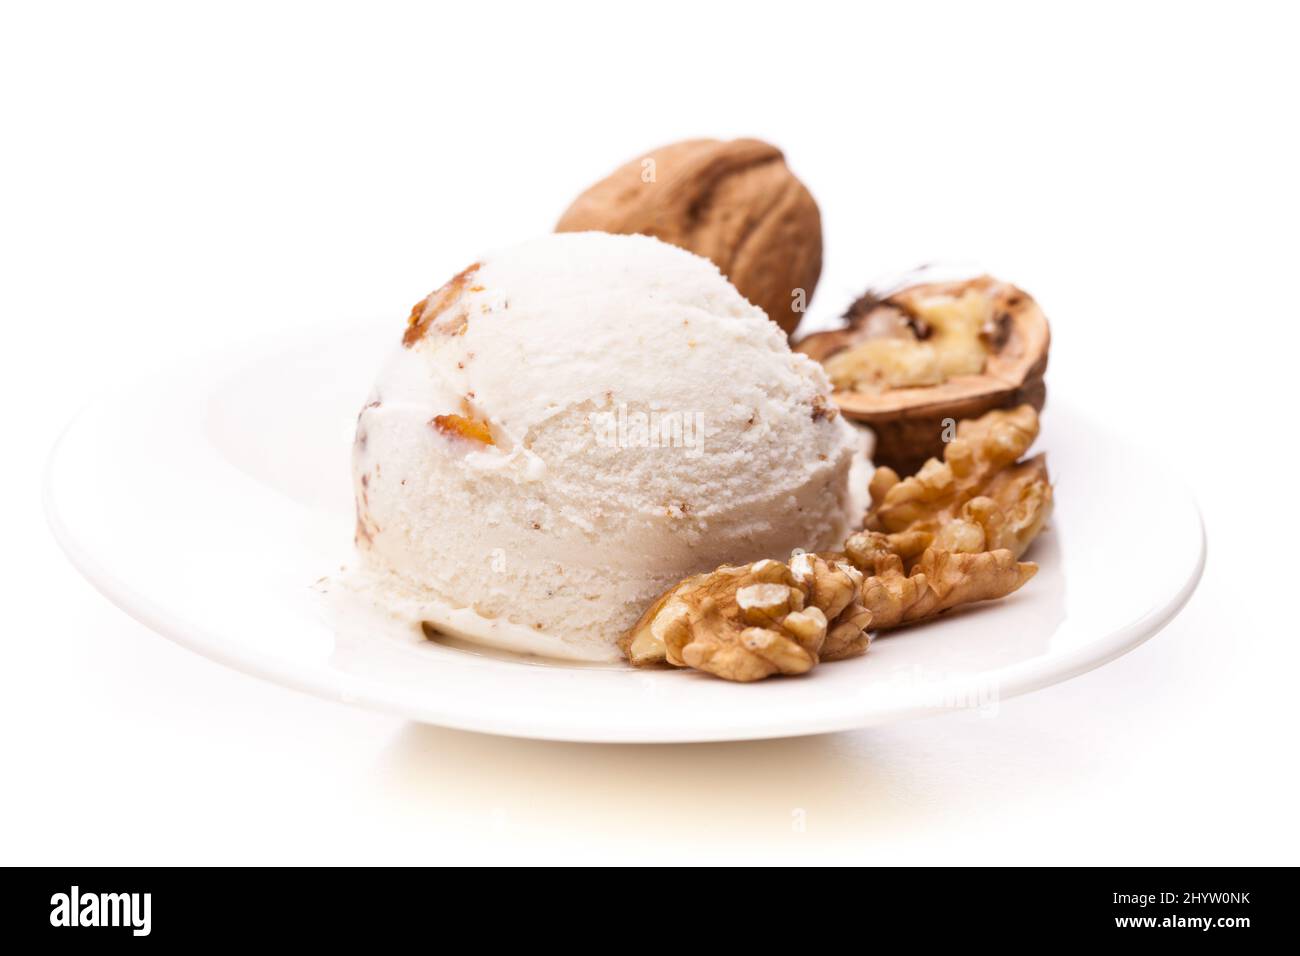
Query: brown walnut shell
point(735, 203)
point(910, 423)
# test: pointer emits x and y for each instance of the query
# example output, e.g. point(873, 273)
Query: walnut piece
point(441, 310)
point(835, 586)
point(977, 498)
point(950, 535)
point(736, 203)
point(747, 622)
point(462, 426)
point(942, 334)
point(938, 581)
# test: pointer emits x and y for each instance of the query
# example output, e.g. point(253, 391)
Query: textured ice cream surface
point(573, 424)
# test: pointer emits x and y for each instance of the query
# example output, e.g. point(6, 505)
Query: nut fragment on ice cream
point(573, 424)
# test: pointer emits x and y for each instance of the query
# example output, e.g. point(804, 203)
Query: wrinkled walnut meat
point(921, 337)
point(748, 622)
point(952, 534)
point(978, 498)
point(895, 593)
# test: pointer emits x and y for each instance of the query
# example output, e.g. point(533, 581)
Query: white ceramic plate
point(210, 503)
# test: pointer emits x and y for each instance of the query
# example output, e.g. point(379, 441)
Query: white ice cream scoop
point(573, 424)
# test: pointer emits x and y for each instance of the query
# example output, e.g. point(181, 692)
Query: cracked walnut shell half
point(910, 362)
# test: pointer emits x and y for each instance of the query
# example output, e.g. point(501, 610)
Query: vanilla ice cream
point(573, 424)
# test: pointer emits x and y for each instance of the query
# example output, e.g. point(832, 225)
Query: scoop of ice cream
point(571, 425)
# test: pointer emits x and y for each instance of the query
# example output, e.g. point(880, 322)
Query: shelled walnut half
point(897, 592)
point(950, 535)
point(979, 497)
point(751, 621)
point(911, 360)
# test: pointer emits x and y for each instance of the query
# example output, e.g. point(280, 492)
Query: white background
point(177, 177)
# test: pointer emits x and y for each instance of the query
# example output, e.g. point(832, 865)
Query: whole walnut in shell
point(736, 203)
